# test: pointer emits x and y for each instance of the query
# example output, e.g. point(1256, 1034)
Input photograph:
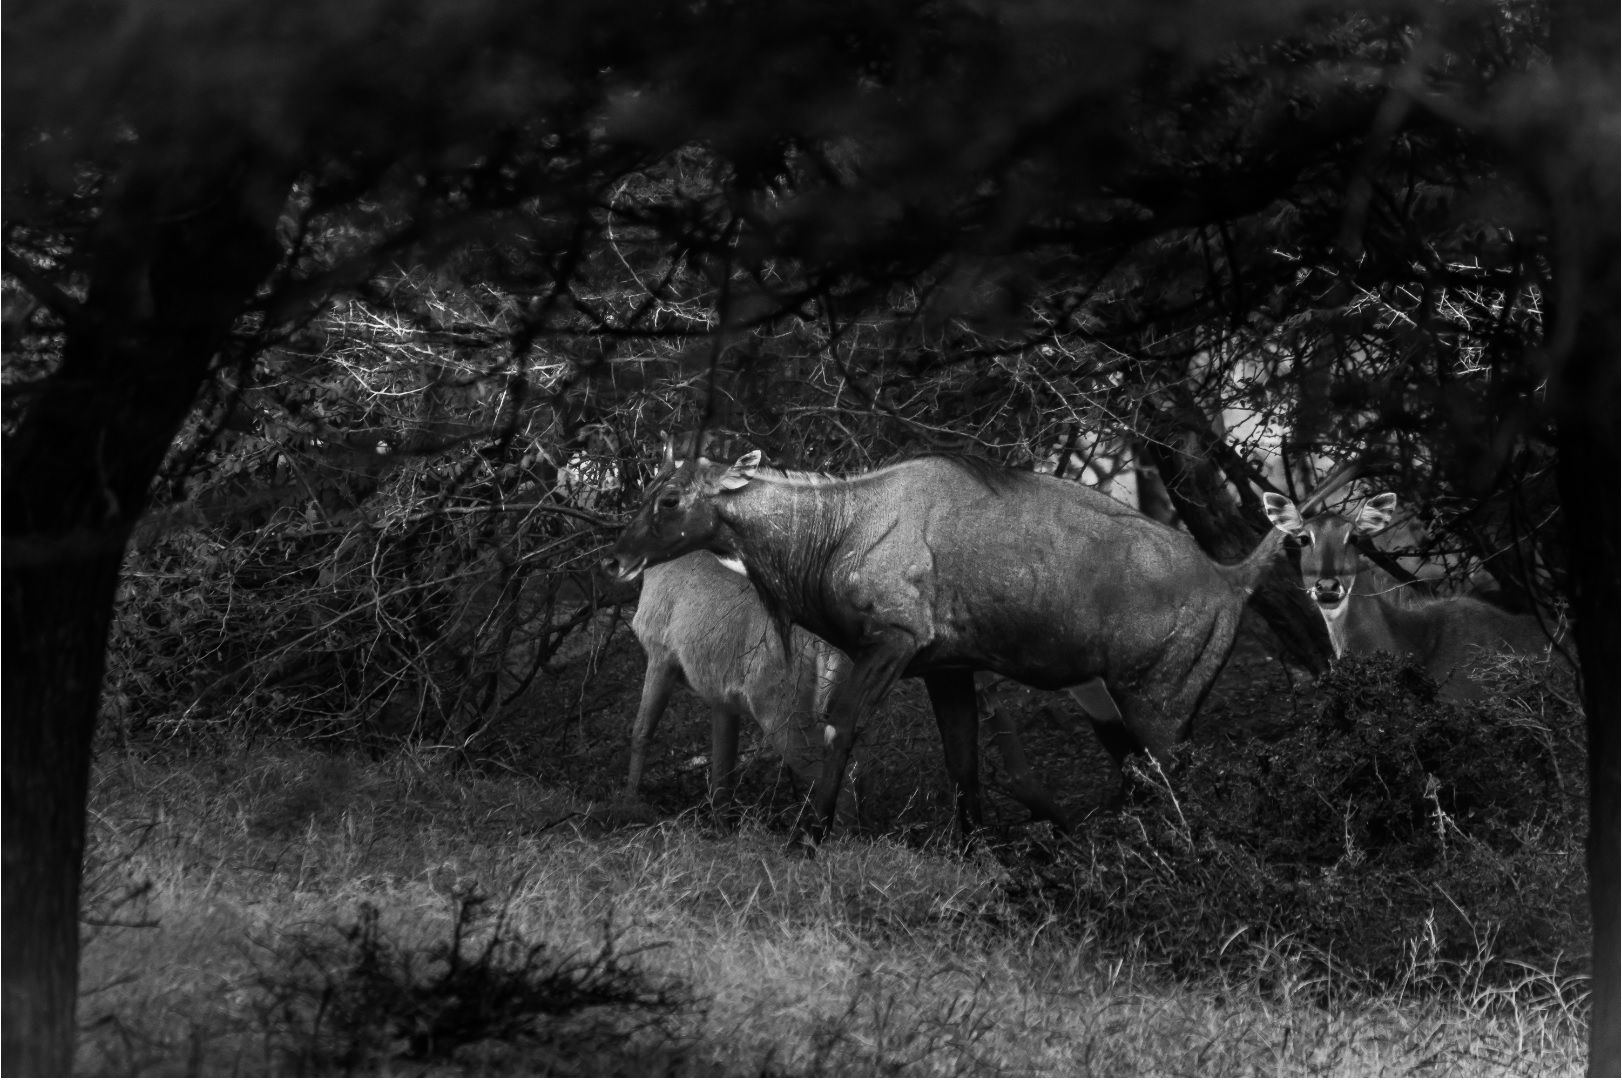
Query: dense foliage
point(1190, 256)
point(1393, 840)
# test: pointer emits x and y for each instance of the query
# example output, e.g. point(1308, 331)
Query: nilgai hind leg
point(1146, 724)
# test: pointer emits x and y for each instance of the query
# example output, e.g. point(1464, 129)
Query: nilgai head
point(1329, 544)
point(678, 513)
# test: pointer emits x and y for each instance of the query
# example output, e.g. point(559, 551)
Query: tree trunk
point(1153, 498)
point(1590, 478)
point(1580, 191)
point(173, 263)
point(1198, 490)
point(55, 627)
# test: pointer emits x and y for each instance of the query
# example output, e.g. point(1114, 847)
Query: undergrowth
point(1395, 841)
point(1394, 888)
point(360, 1000)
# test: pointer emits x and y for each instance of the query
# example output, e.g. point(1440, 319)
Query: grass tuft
point(486, 1000)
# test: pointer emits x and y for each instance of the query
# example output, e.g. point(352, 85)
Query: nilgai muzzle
point(1450, 637)
point(701, 622)
point(938, 567)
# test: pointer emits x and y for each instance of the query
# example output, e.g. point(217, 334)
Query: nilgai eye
point(669, 500)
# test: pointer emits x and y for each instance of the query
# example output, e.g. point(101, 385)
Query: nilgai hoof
point(801, 846)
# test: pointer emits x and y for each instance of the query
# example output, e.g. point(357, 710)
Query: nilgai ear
point(1375, 514)
point(739, 474)
point(669, 461)
point(1283, 514)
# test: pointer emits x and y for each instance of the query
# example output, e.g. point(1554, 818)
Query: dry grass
point(876, 958)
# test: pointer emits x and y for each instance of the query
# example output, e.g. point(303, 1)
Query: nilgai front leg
point(873, 675)
point(657, 685)
point(957, 714)
point(1022, 782)
point(723, 760)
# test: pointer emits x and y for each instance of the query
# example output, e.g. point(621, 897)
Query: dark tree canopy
point(1224, 243)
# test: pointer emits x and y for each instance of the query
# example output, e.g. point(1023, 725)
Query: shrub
point(1394, 838)
point(361, 1001)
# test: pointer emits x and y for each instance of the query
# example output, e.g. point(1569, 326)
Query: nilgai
point(701, 622)
point(941, 566)
point(1450, 637)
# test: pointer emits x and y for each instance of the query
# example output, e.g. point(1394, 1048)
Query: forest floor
point(270, 909)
